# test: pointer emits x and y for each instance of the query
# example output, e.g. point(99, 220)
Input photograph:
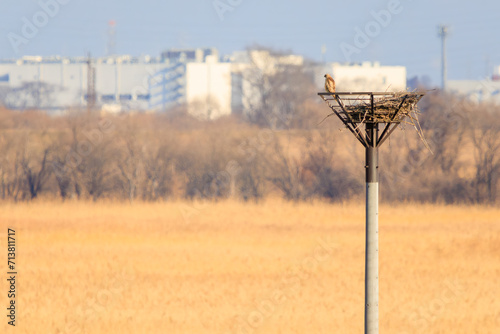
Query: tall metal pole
point(371, 140)
point(371, 250)
point(443, 33)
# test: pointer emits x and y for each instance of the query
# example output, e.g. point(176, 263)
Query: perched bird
point(329, 83)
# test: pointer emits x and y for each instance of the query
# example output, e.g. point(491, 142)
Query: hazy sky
point(408, 37)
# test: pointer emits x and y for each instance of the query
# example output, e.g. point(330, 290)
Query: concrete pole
point(443, 33)
point(371, 250)
point(444, 58)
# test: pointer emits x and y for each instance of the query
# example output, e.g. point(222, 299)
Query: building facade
point(363, 77)
point(477, 91)
point(211, 86)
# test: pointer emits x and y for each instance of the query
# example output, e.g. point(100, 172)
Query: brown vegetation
point(164, 156)
point(232, 267)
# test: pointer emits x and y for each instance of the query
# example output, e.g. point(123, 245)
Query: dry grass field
point(229, 267)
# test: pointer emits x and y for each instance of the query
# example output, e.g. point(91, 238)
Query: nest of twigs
point(388, 109)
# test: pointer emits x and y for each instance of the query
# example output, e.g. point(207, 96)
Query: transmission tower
point(443, 33)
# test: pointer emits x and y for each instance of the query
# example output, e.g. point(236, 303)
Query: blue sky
point(408, 37)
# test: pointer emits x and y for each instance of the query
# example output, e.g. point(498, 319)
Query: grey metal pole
point(443, 33)
point(371, 250)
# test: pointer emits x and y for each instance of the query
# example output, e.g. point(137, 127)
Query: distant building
point(120, 80)
point(249, 70)
point(209, 85)
point(189, 55)
point(208, 88)
point(362, 77)
point(478, 91)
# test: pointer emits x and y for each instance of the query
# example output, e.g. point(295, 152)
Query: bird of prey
point(329, 83)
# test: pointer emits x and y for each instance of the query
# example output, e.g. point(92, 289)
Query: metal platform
point(387, 108)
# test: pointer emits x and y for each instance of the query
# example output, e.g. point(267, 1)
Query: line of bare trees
point(153, 157)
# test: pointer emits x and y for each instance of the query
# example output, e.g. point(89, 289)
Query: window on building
point(143, 97)
point(108, 98)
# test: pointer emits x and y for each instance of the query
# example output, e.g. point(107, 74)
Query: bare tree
point(444, 124)
point(285, 171)
point(129, 162)
point(326, 178)
point(203, 161)
point(251, 179)
point(36, 170)
point(274, 87)
point(95, 171)
point(62, 176)
point(11, 173)
point(159, 169)
point(157, 157)
point(485, 134)
point(130, 171)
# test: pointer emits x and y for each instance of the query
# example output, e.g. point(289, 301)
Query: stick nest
point(385, 109)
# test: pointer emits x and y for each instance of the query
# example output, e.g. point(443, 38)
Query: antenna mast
point(443, 33)
point(111, 47)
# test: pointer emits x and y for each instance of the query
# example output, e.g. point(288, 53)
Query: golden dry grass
point(228, 267)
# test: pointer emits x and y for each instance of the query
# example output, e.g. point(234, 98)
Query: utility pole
point(111, 46)
point(371, 241)
point(443, 33)
point(371, 109)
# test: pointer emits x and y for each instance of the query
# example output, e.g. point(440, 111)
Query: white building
point(476, 90)
point(208, 88)
point(362, 77)
point(190, 76)
point(120, 80)
point(193, 77)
